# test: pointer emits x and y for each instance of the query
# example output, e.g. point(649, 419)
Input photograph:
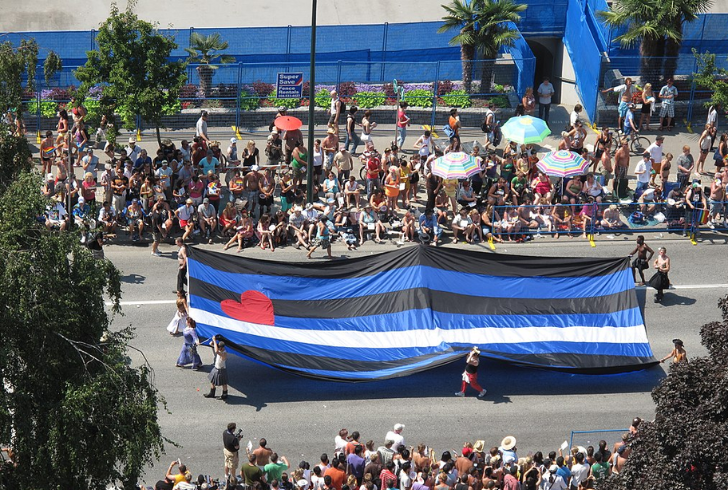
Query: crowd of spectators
point(359, 464)
point(251, 198)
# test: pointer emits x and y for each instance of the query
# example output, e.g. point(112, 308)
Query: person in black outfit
point(231, 446)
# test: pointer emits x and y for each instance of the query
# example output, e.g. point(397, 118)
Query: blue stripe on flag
point(307, 288)
point(421, 318)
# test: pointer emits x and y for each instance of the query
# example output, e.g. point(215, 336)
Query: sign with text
point(289, 86)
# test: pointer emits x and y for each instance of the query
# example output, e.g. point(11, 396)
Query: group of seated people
point(508, 199)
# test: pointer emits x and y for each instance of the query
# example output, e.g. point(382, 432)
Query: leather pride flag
point(416, 308)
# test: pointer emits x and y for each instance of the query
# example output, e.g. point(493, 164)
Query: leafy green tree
point(52, 65)
point(132, 63)
point(685, 447)
point(205, 51)
point(658, 27)
point(483, 27)
point(711, 78)
point(74, 412)
point(15, 64)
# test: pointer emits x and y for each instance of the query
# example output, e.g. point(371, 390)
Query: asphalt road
point(301, 417)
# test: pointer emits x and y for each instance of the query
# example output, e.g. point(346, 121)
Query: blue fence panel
point(585, 56)
point(544, 18)
point(525, 63)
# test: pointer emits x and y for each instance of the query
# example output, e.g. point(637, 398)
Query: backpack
point(497, 136)
point(448, 130)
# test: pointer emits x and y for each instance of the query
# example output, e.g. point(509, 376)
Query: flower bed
point(261, 95)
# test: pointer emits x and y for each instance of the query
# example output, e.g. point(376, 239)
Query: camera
point(239, 433)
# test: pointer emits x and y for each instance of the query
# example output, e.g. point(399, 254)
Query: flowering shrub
point(369, 87)
point(95, 92)
point(347, 89)
point(263, 89)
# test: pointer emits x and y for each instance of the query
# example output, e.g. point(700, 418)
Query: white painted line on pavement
point(691, 286)
point(150, 302)
point(173, 301)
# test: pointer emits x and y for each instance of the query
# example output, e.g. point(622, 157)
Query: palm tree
point(205, 52)
point(658, 26)
point(483, 27)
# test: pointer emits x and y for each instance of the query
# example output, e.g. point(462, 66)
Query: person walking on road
point(218, 376)
point(678, 353)
point(182, 269)
point(470, 375)
point(642, 261)
point(660, 280)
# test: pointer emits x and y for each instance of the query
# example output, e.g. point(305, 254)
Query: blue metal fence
point(584, 53)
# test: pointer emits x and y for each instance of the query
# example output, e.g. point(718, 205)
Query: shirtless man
point(330, 145)
point(262, 453)
point(251, 188)
point(621, 164)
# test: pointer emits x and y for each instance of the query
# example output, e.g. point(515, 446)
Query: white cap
point(81, 200)
point(233, 140)
point(398, 426)
point(255, 168)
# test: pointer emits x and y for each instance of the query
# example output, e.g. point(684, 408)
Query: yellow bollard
point(591, 240)
point(37, 137)
point(139, 135)
point(491, 244)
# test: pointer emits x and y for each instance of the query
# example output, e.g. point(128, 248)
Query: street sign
point(289, 86)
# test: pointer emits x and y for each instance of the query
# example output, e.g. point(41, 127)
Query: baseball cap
point(132, 139)
point(189, 201)
point(233, 140)
point(165, 162)
point(206, 200)
point(398, 426)
point(81, 200)
point(89, 150)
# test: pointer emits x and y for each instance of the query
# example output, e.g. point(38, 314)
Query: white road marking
point(691, 286)
point(149, 302)
point(173, 301)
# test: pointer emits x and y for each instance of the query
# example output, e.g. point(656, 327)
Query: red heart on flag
point(254, 307)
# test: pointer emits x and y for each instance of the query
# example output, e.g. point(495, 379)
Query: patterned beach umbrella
point(457, 165)
point(562, 163)
point(525, 129)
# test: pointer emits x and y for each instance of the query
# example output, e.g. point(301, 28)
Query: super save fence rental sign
point(289, 86)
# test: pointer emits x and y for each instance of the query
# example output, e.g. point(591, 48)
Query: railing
point(519, 223)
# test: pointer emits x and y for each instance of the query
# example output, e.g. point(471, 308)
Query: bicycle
point(638, 143)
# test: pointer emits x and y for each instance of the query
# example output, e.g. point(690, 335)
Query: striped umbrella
point(562, 163)
point(457, 165)
point(525, 129)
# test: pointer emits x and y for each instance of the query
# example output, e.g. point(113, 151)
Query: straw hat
point(508, 443)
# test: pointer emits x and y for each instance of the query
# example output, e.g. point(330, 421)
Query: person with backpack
point(488, 126)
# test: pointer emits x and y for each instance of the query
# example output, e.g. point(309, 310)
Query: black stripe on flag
point(419, 298)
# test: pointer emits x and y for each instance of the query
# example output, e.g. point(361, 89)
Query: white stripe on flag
point(427, 337)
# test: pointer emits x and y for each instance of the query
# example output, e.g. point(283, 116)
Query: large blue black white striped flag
point(400, 312)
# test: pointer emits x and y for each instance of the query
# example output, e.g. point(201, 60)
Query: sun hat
point(508, 443)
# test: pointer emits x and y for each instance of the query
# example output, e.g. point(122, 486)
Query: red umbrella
point(288, 123)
